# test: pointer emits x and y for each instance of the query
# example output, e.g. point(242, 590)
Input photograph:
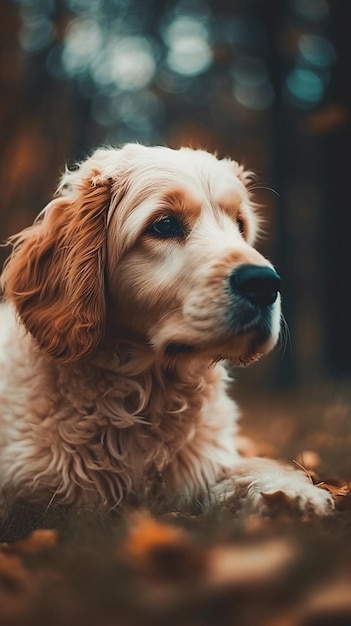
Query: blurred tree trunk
point(336, 252)
point(42, 124)
point(310, 168)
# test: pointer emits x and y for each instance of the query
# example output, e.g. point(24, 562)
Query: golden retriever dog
point(122, 302)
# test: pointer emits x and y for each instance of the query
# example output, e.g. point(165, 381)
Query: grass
point(214, 568)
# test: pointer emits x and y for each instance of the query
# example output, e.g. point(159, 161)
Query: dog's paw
point(294, 497)
point(265, 487)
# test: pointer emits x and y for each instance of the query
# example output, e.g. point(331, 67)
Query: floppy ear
point(55, 276)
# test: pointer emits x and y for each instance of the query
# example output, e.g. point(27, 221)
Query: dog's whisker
point(258, 187)
point(285, 336)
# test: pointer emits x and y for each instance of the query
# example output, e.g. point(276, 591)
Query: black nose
point(257, 283)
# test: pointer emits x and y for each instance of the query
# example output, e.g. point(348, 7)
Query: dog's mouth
point(244, 361)
point(179, 348)
point(252, 355)
point(241, 346)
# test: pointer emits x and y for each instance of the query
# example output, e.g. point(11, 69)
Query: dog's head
point(150, 243)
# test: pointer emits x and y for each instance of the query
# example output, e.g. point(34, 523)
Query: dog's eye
point(241, 225)
point(168, 227)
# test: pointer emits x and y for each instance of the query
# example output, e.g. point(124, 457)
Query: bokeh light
point(313, 10)
point(256, 80)
point(305, 86)
point(316, 50)
point(126, 62)
point(37, 30)
point(172, 58)
point(189, 50)
point(252, 88)
point(83, 40)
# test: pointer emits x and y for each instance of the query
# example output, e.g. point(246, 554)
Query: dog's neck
point(135, 356)
point(121, 404)
point(133, 376)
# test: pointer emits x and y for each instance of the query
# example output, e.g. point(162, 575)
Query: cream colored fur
point(112, 390)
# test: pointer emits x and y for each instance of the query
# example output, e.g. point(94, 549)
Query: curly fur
point(111, 388)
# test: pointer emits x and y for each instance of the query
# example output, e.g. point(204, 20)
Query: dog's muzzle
point(253, 291)
point(249, 328)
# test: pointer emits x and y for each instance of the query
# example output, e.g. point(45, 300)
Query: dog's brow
point(182, 200)
point(231, 203)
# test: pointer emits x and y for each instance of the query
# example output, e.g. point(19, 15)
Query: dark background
point(264, 81)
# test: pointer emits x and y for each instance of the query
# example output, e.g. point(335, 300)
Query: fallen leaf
point(37, 541)
point(161, 549)
point(340, 493)
point(249, 565)
point(13, 574)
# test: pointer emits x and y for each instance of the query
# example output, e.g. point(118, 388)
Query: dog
point(122, 303)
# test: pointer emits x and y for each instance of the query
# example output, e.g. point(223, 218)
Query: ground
point(214, 568)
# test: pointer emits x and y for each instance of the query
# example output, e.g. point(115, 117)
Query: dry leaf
point(37, 541)
point(340, 493)
point(249, 565)
point(161, 549)
point(13, 574)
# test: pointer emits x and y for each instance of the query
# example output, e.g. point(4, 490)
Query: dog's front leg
point(265, 486)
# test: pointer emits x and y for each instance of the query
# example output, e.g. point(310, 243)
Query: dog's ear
point(55, 276)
